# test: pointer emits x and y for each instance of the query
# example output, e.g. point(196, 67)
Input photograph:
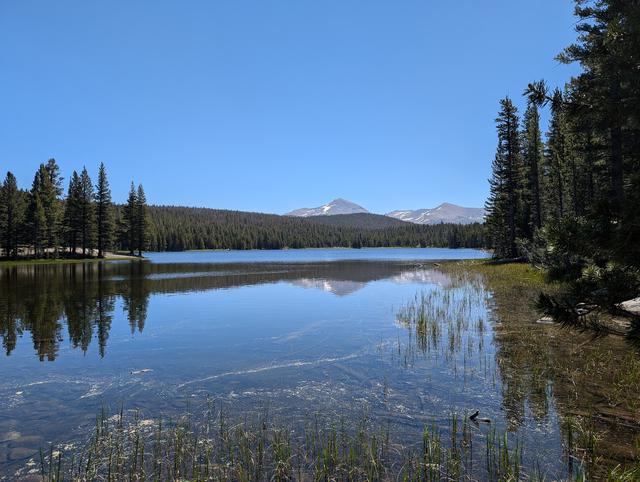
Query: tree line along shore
point(37, 223)
point(45, 223)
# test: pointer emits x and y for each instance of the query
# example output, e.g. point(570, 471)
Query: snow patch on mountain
point(444, 213)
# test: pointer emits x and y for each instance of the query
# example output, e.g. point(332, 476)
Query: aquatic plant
point(216, 447)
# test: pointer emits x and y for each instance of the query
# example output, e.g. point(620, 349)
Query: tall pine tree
point(72, 214)
point(532, 151)
point(86, 212)
point(502, 205)
point(50, 191)
point(555, 161)
point(129, 217)
point(104, 212)
point(11, 215)
point(36, 217)
point(141, 220)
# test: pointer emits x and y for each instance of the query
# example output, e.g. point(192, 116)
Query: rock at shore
point(631, 306)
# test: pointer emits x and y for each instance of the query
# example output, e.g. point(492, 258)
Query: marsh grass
point(447, 321)
point(450, 326)
point(595, 382)
point(214, 447)
point(592, 384)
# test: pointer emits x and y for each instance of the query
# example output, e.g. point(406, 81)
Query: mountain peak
point(337, 206)
point(444, 213)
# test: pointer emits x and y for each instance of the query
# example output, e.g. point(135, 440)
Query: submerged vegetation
point(447, 321)
point(595, 386)
point(213, 446)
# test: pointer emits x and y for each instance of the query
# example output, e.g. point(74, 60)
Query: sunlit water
point(291, 332)
point(320, 254)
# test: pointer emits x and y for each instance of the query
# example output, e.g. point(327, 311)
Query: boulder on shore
point(631, 306)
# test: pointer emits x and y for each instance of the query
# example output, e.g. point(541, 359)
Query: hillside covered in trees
point(569, 200)
point(40, 223)
point(359, 220)
point(174, 228)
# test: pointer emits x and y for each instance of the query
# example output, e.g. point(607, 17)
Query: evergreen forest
point(568, 199)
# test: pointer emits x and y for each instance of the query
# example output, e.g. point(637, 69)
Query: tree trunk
point(616, 167)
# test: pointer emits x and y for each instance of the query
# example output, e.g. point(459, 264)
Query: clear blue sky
point(271, 105)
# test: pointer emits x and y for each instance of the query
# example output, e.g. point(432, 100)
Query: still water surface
point(320, 254)
point(292, 332)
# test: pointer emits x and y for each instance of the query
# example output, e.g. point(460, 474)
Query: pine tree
point(141, 221)
point(72, 214)
point(50, 191)
point(605, 100)
point(54, 176)
point(86, 212)
point(555, 165)
point(608, 87)
point(532, 159)
point(46, 196)
point(104, 212)
point(129, 217)
point(36, 220)
point(11, 215)
point(502, 205)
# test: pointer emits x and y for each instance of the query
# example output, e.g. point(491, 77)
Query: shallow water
point(288, 332)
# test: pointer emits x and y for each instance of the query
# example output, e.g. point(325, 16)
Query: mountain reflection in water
point(41, 299)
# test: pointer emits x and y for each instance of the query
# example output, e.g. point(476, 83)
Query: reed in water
point(215, 447)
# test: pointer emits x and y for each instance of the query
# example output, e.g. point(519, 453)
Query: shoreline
point(125, 257)
point(214, 250)
point(9, 263)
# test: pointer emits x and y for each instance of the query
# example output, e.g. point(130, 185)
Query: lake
point(388, 334)
point(320, 254)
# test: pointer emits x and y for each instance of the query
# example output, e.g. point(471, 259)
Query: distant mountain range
point(444, 213)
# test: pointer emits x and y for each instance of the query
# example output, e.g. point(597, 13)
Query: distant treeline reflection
point(42, 299)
